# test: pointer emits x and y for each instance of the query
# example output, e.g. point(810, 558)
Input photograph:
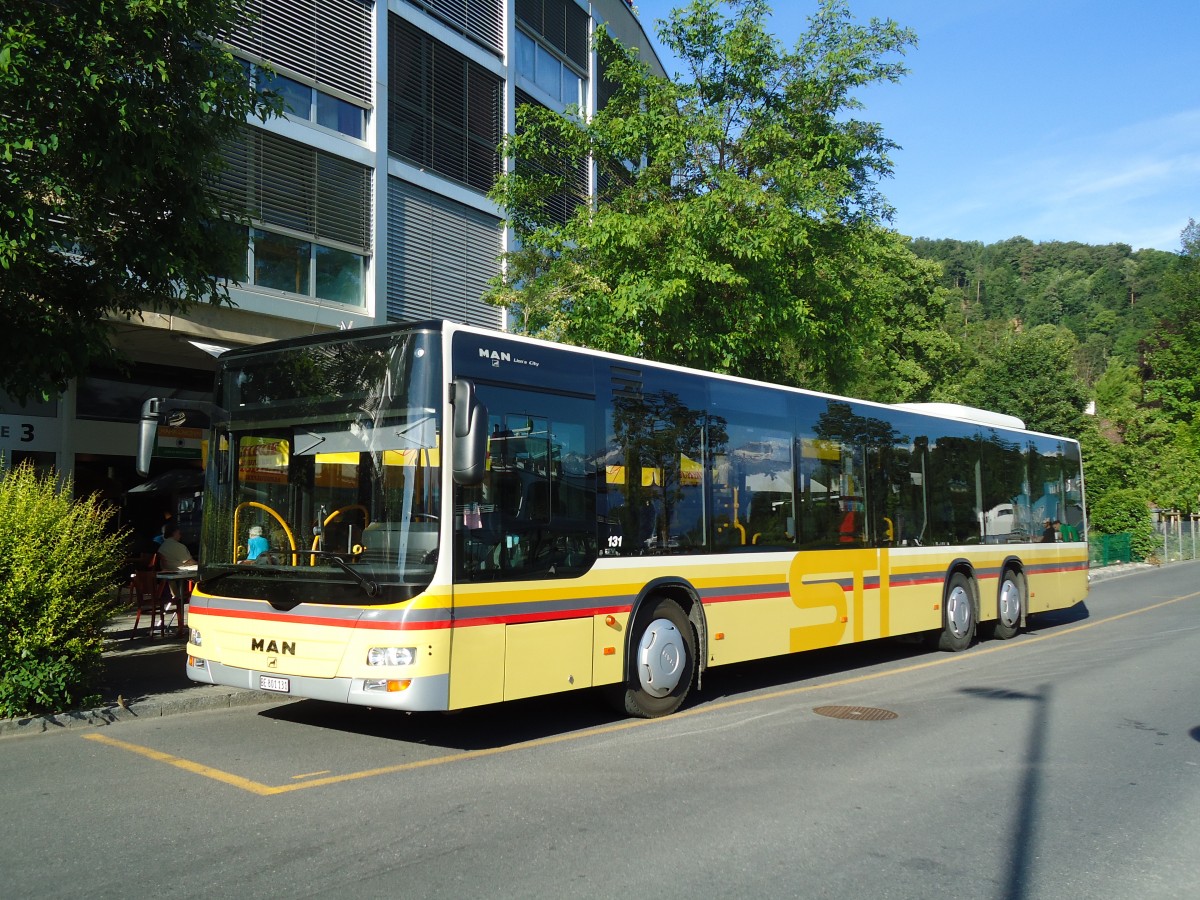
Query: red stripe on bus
point(461, 621)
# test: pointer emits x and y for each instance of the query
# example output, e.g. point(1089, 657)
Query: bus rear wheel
point(663, 660)
point(958, 615)
point(1010, 604)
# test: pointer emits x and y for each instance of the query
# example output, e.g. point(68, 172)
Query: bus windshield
point(324, 486)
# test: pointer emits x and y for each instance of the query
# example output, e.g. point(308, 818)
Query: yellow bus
point(445, 516)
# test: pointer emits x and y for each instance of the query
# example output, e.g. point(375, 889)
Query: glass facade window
point(313, 105)
point(339, 275)
point(562, 24)
point(540, 66)
point(526, 55)
point(280, 262)
point(548, 74)
point(297, 97)
point(296, 266)
point(339, 115)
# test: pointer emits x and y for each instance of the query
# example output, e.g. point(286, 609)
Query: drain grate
point(857, 713)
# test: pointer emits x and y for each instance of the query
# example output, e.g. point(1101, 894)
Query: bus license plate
point(271, 683)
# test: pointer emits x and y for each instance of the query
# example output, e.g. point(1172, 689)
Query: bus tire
point(662, 660)
point(1010, 606)
point(958, 615)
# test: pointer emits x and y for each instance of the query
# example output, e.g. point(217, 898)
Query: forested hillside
point(1043, 330)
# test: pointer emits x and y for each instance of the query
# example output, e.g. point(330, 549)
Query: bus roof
point(964, 413)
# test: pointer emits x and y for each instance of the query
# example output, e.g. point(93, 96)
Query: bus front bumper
point(428, 693)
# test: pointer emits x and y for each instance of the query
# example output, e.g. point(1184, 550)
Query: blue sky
point(1057, 120)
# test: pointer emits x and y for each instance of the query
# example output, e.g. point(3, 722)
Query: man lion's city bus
point(457, 516)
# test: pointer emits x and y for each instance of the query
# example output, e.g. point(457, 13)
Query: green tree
point(739, 227)
point(1172, 382)
point(1172, 351)
point(112, 116)
point(1031, 374)
point(911, 351)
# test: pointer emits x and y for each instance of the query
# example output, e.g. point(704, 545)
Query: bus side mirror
point(147, 432)
point(470, 433)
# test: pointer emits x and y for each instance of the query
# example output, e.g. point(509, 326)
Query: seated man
point(174, 556)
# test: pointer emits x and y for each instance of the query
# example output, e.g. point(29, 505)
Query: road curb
point(113, 713)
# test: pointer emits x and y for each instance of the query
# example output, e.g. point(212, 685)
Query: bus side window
point(534, 515)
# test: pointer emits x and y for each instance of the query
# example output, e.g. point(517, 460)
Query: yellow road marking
point(266, 790)
point(187, 765)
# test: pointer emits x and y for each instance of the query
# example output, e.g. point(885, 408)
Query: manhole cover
point(859, 713)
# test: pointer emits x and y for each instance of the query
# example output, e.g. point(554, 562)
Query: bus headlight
point(391, 656)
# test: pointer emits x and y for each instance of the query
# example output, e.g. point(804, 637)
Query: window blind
point(441, 255)
point(327, 40)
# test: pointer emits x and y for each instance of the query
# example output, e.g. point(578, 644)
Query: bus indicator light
point(610, 651)
point(386, 685)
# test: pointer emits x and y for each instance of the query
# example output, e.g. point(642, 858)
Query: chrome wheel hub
point(1010, 603)
point(661, 658)
point(959, 614)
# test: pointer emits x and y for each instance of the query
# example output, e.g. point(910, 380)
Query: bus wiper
point(371, 587)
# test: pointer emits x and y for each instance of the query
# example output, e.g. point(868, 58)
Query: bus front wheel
point(958, 615)
point(663, 660)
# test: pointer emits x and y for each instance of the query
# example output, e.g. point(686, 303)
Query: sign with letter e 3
point(28, 433)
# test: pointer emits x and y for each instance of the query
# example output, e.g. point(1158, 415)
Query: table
point(184, 579)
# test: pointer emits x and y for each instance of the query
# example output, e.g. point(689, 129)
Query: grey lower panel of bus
point(430, 693)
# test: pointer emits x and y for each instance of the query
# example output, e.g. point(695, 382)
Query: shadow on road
point(1058, 617)
point(1023, 831)
point(538, 718)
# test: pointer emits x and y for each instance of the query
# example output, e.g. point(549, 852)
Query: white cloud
point(1136, 185)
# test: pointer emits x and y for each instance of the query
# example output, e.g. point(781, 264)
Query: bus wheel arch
point(960, 610)
point(663, 651)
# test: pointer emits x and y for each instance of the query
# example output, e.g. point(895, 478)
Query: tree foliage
point(740, 223)
point(112, 116)
point(1031, 375)
point(58, 562)
point(1133, 319)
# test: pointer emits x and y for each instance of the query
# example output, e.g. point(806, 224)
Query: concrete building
point(367, 202)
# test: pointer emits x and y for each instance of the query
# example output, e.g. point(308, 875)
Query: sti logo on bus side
point(285, 648)
point(496, 356)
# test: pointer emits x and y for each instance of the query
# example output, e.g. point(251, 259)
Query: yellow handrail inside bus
point(278, 518)
point(312, 560)
point(736, 524)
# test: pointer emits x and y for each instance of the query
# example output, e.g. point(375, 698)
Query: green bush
point(1125, 510)
point(58, 563)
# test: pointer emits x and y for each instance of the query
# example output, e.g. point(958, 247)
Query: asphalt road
point(1064, 763)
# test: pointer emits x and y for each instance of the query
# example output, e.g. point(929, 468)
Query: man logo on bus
point(496, 356)
point(285, 648)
